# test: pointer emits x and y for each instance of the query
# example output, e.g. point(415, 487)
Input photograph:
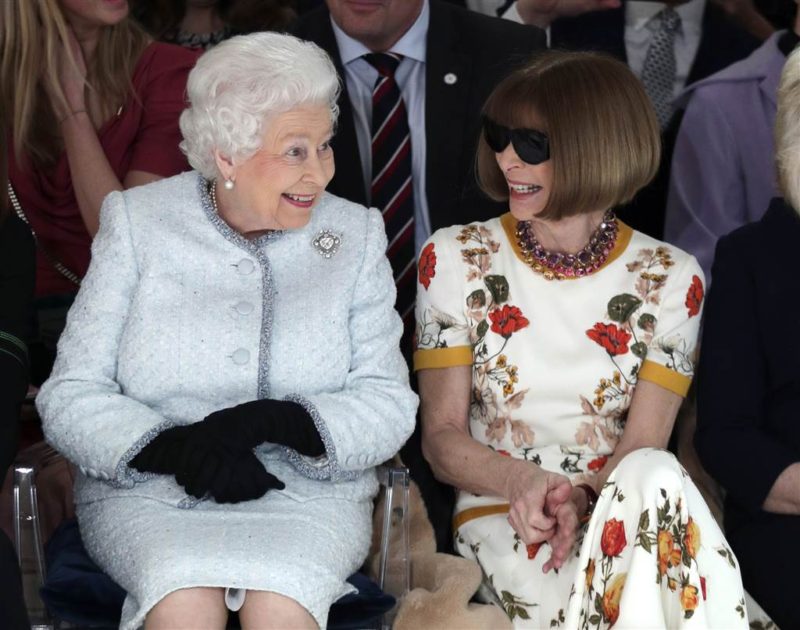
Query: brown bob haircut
point(605, 142)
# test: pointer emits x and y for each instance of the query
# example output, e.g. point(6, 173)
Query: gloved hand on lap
point(252, 423)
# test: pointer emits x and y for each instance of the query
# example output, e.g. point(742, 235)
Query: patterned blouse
point(555, 363)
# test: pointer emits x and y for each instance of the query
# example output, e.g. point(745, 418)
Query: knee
point(648, 468)
point(264, 609)
point(185, 607)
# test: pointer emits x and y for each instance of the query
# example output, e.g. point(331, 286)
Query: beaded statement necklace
point(558, 266)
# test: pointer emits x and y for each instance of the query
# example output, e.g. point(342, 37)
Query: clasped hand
point(204, 463)
point(543, 508)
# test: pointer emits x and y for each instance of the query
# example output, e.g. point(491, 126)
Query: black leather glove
point(163, 453)
point(252, 423)
point(228, 476)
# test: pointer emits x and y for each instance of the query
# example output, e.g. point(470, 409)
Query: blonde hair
point(31, 32)
point(787, 131)
point(605, 142)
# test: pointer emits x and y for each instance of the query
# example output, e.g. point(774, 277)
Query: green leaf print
point(476, 299)
point(639, 349)
point(621, 307)
point(482, 329)
point(647, 322)
point(513, 606)
point(498, 287)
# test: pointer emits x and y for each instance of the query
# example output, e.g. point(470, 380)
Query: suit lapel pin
point(327, 243)
point(450, 78)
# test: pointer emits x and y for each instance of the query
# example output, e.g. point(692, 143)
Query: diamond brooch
point(327, 243)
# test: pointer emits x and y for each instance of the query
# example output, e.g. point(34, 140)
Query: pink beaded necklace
point(559, 266)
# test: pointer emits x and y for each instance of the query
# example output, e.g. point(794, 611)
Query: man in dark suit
point(465, 55)
point(420, 69)
point(707, 41)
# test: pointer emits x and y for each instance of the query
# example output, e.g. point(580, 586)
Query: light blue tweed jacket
point(179, 316)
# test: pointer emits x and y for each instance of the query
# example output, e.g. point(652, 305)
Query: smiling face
point(278, 187)
point(529, 185)
point(377, 24)
point(94, 13)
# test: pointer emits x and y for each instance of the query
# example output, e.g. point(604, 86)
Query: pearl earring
point(228, 184)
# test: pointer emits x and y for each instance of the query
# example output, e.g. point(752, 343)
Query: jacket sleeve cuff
point(325, 467)
point(125, 475)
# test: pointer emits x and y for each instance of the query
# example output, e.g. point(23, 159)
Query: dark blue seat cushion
point(78, 592)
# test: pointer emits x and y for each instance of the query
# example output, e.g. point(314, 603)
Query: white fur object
point(179, 316)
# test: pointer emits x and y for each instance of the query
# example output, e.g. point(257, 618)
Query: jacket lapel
point(447, 80)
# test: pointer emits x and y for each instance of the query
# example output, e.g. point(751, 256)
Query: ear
point(225, 165)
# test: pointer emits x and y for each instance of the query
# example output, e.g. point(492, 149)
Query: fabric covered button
point(241, 356)
point(244, 308)
point(245, 266)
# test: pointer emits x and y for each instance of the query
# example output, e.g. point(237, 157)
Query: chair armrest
point(28, 542)
point(394, 569)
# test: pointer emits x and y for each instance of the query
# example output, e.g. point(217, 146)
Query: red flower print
point(613, 541)
point(703, 587)
point(533, 549)
point(694, 296)
point(507, 320)
point(427, 265)
point(597, 464)
point(614, 340)
point(503, 453)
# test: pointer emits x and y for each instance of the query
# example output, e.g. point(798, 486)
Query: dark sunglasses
point(532, 146)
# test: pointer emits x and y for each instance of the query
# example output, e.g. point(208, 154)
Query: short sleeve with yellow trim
point(672, 352)
point(442, 331)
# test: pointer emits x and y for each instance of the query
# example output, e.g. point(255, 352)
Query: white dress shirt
point(638, 14)
point(639, 33)
point(410, 76)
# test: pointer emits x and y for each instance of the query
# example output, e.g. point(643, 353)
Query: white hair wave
point(787, 131)
point(238, 85)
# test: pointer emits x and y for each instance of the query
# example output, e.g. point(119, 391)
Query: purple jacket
point(723, 169)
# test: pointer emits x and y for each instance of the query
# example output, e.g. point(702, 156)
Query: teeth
point(301, 198)
point(524, 188)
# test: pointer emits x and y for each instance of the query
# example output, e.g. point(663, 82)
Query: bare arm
point(542, 13)
point(747, 16)
point(91, 174)
point(458, 459)
point(784, 496)
point(650, 420)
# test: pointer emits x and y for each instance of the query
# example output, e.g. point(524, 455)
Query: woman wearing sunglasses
point(554, 346)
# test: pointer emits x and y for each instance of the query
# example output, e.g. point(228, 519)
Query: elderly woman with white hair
point(748, 429)
point(230, 373)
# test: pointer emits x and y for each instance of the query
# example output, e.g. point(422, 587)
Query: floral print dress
point(554, 368)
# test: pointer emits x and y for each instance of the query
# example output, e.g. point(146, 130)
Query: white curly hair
point(787, 131)
point(237, 86)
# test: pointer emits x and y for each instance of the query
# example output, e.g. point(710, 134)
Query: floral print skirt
point(652, 556)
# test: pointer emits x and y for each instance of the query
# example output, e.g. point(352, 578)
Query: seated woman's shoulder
point(347, 215)
point(463, 233)
point(161, 58)
point(776, 232)
point(678, 256)
point(169, 196)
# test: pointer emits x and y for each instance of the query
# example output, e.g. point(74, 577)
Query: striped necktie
point(392, 186)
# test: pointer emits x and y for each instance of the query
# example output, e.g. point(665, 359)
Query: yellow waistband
point(477, 512)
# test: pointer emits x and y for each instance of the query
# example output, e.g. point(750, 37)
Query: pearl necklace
point(558, 266)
